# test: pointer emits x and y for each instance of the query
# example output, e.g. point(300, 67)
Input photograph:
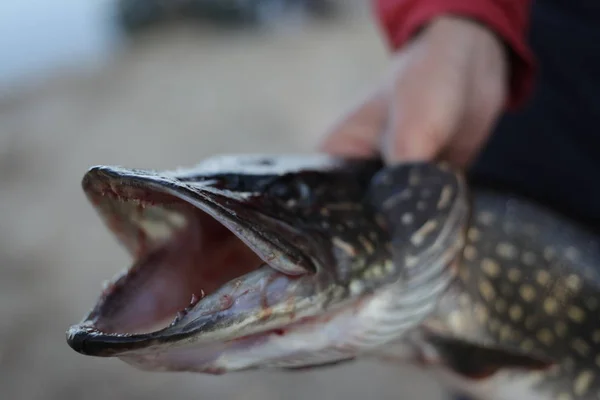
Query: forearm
point(509, 19)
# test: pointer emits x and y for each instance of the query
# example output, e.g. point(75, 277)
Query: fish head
point(242, 261)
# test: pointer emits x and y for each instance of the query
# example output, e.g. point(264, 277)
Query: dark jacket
point(547, 145)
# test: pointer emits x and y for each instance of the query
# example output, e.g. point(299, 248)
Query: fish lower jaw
point(349, 332)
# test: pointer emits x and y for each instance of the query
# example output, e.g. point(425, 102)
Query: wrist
point(468, 30)
point(473, 38)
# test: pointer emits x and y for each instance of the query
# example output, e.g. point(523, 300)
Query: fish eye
point(291, 191)
point(265, 162)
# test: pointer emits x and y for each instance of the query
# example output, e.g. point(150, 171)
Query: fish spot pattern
point(536, 287)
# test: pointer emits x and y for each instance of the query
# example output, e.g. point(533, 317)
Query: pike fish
point(299, 261)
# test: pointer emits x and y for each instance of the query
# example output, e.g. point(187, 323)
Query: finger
point(357, 134)
point(428, 102)
point(484, 105)
point(471, 136)
point(422, 120)
point(487, 91)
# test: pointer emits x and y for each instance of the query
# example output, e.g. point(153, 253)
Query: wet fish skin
point(335, 227)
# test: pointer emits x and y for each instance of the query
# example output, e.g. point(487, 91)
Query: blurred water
point(40, 36)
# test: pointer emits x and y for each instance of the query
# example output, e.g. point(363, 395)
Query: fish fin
point(424, 208)
point(480, 360)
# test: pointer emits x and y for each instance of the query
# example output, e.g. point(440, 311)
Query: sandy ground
point(170, 100)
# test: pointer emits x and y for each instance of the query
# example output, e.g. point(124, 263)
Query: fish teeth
point(194, 300)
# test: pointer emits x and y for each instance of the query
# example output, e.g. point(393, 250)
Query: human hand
point(447, 88)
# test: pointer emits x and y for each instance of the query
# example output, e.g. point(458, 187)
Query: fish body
point(528, 281)
point(249, 261)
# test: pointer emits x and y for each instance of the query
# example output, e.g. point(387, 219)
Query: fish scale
point(531, 282)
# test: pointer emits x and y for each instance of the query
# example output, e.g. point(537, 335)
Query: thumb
point(427, 102)
point(422, 120)
point(358, 133)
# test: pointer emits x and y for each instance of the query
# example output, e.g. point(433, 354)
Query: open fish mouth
point(258, 262)
point(204, 261)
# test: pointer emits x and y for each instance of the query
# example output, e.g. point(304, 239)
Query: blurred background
point(155, 84)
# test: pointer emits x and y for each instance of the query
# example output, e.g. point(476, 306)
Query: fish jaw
point(326, 299)
point(247, 323)
point(308, 341)
point(211, 271)
point(359, 327)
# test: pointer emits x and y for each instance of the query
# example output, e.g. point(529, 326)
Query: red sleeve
point(400, 19)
